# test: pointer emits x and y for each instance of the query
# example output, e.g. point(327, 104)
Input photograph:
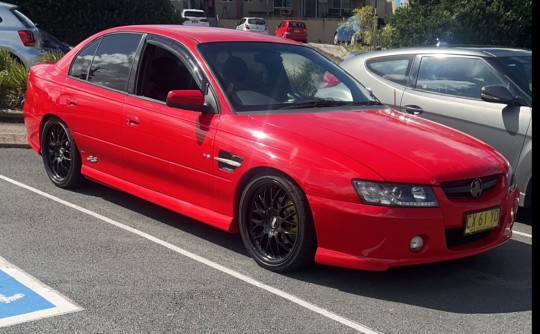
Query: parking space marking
point(23, 298)
point(314, 308)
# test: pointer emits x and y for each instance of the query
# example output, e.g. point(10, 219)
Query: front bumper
point(358, 236)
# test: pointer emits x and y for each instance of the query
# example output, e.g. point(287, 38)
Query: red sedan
point(245, 133)
point(292, 29)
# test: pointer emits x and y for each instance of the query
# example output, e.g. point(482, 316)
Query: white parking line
point(249, 280)
point(522, 234)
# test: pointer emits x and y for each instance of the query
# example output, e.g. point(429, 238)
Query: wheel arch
point(252, 174)
point(44, 121)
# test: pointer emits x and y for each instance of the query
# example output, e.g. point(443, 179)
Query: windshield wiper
point(315, 104)
point(365, 103)
point(329, 103)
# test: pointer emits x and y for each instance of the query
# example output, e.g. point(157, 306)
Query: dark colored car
point(53, 44)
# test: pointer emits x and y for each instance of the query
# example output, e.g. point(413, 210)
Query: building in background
point(305, 9)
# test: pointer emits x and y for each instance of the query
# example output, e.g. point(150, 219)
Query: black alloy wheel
point(276, 224)
point(60, 155)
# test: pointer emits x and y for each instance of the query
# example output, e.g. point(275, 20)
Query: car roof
point(192, 10)
point(7, 5)
point(483, 51)
point(253, 17)
point(197, 34)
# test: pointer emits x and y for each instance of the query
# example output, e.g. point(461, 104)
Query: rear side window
point(458, 76)
point(111, 63)
point(395, 69)
point(81, 64)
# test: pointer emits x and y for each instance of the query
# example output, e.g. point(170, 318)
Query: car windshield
point(258, 76)
point(519, 69)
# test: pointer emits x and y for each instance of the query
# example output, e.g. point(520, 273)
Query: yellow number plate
point(482, 221)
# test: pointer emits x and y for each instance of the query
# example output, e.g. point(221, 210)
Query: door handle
point(413, 110)
point(132, 120)
point(72, 102)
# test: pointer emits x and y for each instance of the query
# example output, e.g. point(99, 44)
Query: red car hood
point(396, 146)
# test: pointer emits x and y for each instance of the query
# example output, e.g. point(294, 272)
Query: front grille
point(461, 189)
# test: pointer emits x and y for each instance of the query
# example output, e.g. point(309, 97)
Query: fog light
point(416, 244)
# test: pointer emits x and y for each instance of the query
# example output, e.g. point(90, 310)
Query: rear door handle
point(132, 120)
point(413, 110)
point(72, 102)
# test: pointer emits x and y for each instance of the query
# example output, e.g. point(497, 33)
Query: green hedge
point(13, 77)
point(74, 20)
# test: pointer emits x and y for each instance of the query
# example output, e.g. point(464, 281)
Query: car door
point(447, 90)
point(167, 150)
point(281, 28)
point(92, 99)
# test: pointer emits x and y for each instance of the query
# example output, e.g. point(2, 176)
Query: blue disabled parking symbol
point(23, 298)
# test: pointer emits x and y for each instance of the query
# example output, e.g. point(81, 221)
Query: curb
point(12, 129)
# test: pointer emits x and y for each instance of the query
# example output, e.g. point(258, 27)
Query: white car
point(195, 17)
point(253, 24)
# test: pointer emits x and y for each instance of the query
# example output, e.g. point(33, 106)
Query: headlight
point(390, 194)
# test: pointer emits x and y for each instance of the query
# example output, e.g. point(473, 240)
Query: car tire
point(276, 224)
point(60, 155)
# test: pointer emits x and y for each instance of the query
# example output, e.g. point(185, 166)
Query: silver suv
point(19, 35)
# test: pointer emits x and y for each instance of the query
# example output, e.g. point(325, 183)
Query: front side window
point(457, 76)
point(113, 60)
point(519, 69)
point(162, 71)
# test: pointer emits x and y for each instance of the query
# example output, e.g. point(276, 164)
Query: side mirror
point(497, 94)
point(188, 99)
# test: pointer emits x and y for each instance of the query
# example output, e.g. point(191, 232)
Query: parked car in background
point(483, 91)
point(53, 44)
point(292, 29)
point(253, 24)
point(19, 35)
point(349, 31)
point(194, 17)
point(234, 132)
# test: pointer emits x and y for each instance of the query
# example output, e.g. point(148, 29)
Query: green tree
point(74, 20)
point(479, 22)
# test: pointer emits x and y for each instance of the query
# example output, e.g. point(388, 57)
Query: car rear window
point(297, 25)
point(257, 21)
point(24, 20)
point(194, 14)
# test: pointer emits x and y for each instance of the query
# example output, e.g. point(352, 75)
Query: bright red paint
point(292, 29)
point(166, 155)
